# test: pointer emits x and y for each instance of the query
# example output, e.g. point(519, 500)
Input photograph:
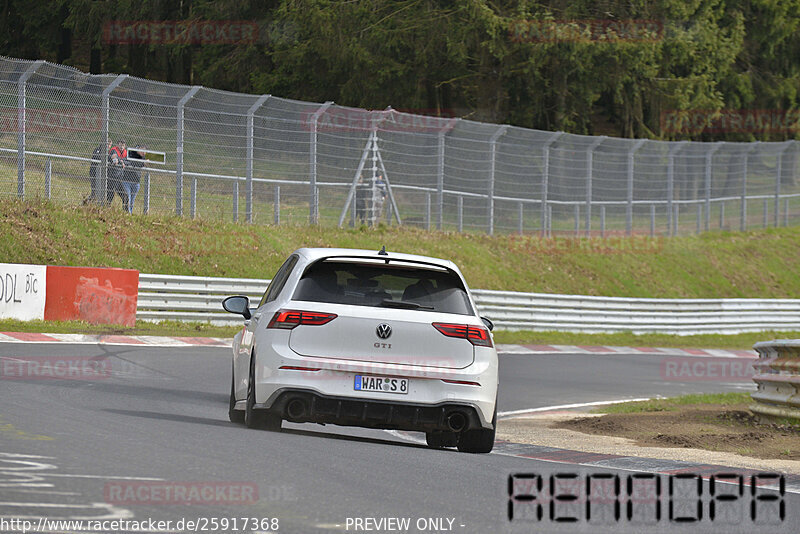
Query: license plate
point(381, 383)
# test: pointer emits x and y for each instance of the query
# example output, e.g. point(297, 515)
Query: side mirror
point(488, 322)
point(237, 304)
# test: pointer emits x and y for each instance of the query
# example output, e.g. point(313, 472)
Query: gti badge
point(384, 331)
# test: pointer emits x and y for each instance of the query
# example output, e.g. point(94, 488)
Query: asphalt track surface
point(160, 420)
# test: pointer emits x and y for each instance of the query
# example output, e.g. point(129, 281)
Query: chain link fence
point(263, 159)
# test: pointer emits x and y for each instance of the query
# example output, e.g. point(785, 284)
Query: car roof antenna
point(382, 251)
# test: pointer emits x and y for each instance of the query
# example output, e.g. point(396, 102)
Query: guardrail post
point(102, 190)
point(589, 171)
point(21, 125)
point(490, 199)
point(249, 176)
point(629, 210)
point(709, 161)
point(276, 207)
point(179, 150)
point(48, 171)
point(313, 204)
point(440, 182)
point(546, 179)
point(778, 379)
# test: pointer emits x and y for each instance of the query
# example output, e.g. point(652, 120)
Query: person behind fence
point(380, 197)
point(95, 173)
point(363, 191)
point(131, 177)
point(119, 157)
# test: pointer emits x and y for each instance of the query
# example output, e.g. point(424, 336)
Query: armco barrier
point(193, 298)
point(778, 379)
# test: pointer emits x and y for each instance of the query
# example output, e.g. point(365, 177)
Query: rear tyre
point(236, 416)
point(257, 418)
point(441, 439)
point(480, 441)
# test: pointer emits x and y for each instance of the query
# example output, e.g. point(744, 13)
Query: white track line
point(568, 406)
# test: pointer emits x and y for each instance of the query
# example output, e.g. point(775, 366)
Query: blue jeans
point(130, 190)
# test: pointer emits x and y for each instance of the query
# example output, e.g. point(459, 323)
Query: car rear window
point(390, 285)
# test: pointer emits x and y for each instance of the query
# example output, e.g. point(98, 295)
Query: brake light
point(288, 319)
point(474, 334)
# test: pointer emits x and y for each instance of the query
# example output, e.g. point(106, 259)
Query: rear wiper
point(404, 304)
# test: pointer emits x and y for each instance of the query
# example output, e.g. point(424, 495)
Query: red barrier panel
point(96, 295)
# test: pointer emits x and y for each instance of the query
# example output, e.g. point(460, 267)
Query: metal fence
point(195, 298)
point(265, 159)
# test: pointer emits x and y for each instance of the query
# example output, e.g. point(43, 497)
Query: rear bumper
point(350, 411)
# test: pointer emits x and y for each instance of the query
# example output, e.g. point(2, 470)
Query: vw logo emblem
point(384, 331)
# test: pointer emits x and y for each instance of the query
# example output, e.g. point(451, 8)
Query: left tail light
point(288, 319)
point(474, 334)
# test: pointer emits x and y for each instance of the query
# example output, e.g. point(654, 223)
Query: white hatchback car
point(377, 340)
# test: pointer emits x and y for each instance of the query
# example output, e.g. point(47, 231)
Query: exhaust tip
point(456, 421)
point(296, 409)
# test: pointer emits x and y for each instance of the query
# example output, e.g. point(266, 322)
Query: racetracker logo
point(336, 119)
point(54, 368)
point(730, 121)
point(51, 120)
point(586, 31)
point(181, 493)
point(707, 369)
point(180, 32)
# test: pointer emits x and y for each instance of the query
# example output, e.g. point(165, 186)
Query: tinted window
point(390, 285)
point(278, 281)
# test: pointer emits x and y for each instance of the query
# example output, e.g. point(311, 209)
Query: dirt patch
point(710, 427)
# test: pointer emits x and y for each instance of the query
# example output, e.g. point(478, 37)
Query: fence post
point(146, 199)
point(766, 212)
point(549, 221)
point(193, 198)
point(102, 190)
point(743, 203)
point(709, 158)
point(699, 218)
point(521, 214)
point(589, 158)
point(721, 215)
point(21, 125)
point(313, 205)
point(428, 211)
point(276, 207)
point(675, 217)
point(577, 220)
point(673, 151)
point(460, 214)
point(778, 176)
point(490, 200)
point(248, 204)
point(786, 212)
point(48, 172)
point(236, 201)
point(440, 182)
point(629, 211)
point(546, 179)
point(652, 220)
point(179, 150)
point(603, 221)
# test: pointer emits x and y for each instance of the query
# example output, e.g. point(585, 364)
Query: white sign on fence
point(22, 291)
